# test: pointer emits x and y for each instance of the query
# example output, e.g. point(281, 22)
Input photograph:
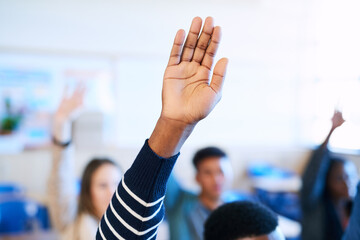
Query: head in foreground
point(242, 221)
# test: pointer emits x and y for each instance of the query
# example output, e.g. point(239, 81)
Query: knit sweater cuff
point(149, 174)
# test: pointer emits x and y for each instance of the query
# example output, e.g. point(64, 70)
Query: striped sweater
point(136, 209)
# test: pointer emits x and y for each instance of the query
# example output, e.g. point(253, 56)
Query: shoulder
point(87, 221)
point(86, 226)
point(190, 196)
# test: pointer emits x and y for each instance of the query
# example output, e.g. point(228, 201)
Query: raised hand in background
point(66, 112)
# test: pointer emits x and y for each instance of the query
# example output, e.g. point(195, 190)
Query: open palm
point(188, 94)
point(69, 105)
point(337, 119)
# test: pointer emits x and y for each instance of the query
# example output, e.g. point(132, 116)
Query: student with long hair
point(77, 218)
point(328, 185)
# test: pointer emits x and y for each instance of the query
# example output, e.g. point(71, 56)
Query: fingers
point(78, 95)
point(191, 40)
point(201, 50)
point(65, 92)
point(203, 41)
point(337, 113)
point(212, 48)
point(80, 89)
point(219, 75)
point(176, 48)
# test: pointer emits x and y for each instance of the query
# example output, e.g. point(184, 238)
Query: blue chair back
point(10, 188)
point(22, 215)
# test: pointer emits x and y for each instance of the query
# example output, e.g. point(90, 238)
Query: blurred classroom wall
point(276, 104)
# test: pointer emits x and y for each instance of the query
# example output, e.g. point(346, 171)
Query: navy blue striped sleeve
point(137, 208)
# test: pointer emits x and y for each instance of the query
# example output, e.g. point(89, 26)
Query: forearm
point(61, 188)
point(61, 184)
point(327, 139)
point(173, 193)
point(61, 129)
point(314, 177)
point(315, 172)
point(136, 208)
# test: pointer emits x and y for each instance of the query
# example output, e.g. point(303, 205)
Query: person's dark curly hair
point(239, 220)
point(208, 152)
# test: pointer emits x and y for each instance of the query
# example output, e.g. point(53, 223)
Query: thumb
point(218, 76)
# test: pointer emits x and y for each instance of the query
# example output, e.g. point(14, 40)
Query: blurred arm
point(62, 184)
point(173, 193)
point(314, 177)
point(61, 188)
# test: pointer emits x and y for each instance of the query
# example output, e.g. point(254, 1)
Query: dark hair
point(85, 203)
point(334, 162)
point(239, 220)
point(207, 153)
point(349, 207)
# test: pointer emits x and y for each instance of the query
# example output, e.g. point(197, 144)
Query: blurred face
point(103, 184)
point(275, 235)
point(211, 176)
point(342, 180)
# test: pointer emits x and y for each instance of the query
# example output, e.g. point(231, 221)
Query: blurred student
point(328, 185)
point(353, 230)
point(186, 212)
point(243, 220)
point(77, 218)
point(188, 96)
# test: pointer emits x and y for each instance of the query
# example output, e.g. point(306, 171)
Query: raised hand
point(69, 105)
point(337, 119)
point(188, 95)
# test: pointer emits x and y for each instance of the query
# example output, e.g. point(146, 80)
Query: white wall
point(265, 40)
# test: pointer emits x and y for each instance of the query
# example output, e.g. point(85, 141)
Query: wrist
point(175, 124)
point(62, 130)
point(60, 143)
point(60, 118)
point(169, 135)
